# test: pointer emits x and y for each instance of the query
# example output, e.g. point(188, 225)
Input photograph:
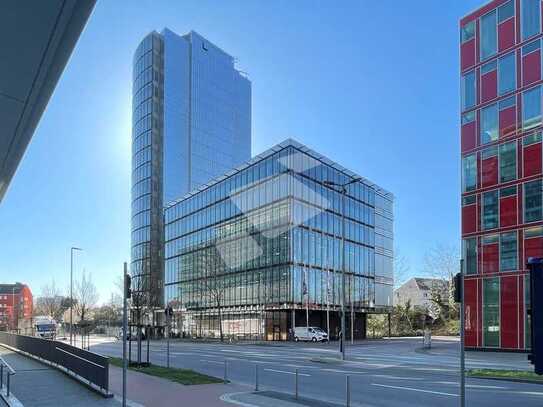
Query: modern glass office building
point(191, 122)
point(260, 248)
point(502, 186)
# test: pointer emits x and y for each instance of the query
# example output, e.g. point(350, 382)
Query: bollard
point(256, 377)
point(8, 385)
point(296, 385)
point(348, 391)
point(225, 380)
point(1, 376)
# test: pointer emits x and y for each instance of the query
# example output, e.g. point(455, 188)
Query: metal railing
point(91, 367)
point(9, 372)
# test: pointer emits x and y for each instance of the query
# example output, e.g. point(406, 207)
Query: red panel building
point(16, 304)
point(502, 190)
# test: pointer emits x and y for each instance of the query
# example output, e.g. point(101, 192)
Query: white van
point(312, 333)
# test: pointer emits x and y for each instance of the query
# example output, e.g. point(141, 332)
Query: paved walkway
point(151, 391)
point(36, 384)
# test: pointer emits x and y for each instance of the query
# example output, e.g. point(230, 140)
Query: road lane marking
point(417, 390)
point(212, 361)
point(283, 371)
point(472, 386)
point(385, 376)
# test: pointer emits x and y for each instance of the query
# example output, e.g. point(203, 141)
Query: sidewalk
point(275, 399)
point(151, 391)
point(36, 384)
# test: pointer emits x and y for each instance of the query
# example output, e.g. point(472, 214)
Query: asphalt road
point(382, 373)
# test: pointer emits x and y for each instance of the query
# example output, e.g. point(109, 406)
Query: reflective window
point(489, 124)
point(470, 255)
point(467, 32)
point(531, 107)
point(532, 201)
point(508, 161)
point(506, 11)
point(489, 37)
point(468, 90)
point(530, 18)
point(469, 173)
point(490, 210)
point(507, 75)
point(508, 251)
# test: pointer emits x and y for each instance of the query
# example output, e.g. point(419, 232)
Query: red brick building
point(15, 306)
point(501, 127)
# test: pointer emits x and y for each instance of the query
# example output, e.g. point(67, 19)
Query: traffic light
point(127, 285)
point(457, 281)
point(535, 266)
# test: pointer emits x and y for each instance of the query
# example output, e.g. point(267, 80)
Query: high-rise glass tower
point(191, 122)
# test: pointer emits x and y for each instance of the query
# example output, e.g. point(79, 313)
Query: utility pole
point(343, 191)
point(462, 335)
point(72, 290)
point(126, 294)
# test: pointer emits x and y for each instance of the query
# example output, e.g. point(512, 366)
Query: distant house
point(418, 291)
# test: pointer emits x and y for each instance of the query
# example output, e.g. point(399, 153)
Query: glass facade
point(191, 121)
point(264, 242)
point(147, 124)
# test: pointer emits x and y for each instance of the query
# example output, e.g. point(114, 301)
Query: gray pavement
point(382, 373)
point(36, 384)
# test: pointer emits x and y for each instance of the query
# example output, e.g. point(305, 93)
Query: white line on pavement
point(417, 390)
point(385, 376)
point(283, 371)
point(212, 361)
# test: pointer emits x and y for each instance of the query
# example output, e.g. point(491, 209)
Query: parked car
point(311, 333)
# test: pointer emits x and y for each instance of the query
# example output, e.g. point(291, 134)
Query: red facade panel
point(531, 68)
point(470, 298)
point(508, 121)
point(509, 312)
point(533, 247)
point(489, 86)
point(489, 171)
point(508, 211)
point(469, 219)
point(532, 159)
point(469, 136)
point(467, 54)
point(491, 258)
point(506, 34)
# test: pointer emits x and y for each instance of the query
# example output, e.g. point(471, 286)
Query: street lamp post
point(343, 190)
point(72, 290)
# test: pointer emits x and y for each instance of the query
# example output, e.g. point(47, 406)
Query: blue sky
point(372, 85)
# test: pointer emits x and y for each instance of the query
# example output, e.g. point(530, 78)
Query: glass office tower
point(191, 122)
point(259, 250)
point(502, 194)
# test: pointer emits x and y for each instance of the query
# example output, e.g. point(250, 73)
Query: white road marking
point(345, 371)
point(212, 361)
point(529, 393)
point(283, 371)
point(417, 390)
point(384, 376)
point(472, 386)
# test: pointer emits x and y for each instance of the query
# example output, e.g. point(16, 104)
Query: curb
point(505, 379)
point(227, 397)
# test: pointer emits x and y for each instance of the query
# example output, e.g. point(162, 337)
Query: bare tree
point(400, 265)
point(214, 282)
point(50, 301)
point(86, 295)
point(443, 262)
